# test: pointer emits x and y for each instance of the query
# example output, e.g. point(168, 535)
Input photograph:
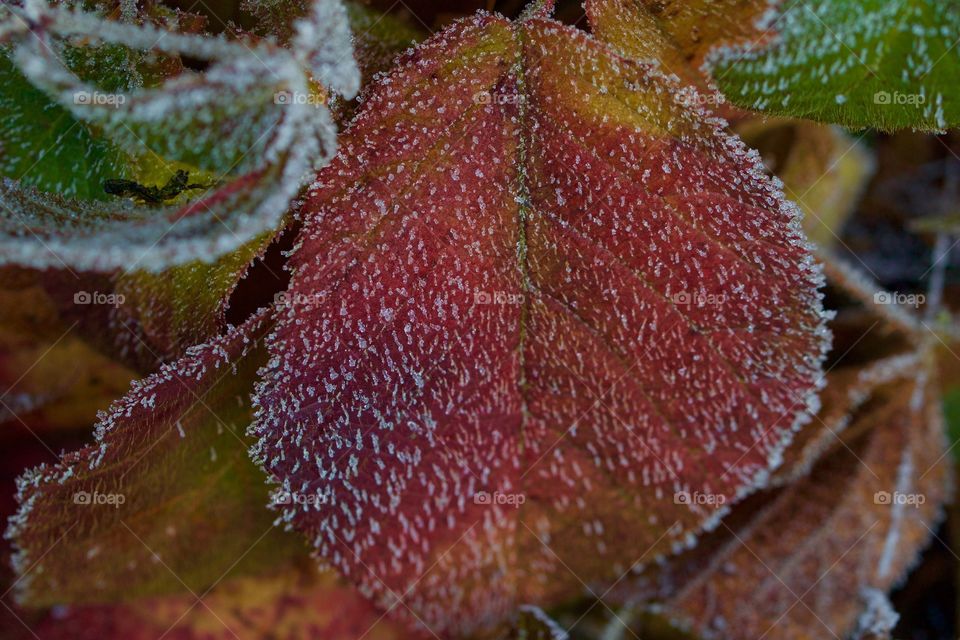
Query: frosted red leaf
point(537, 302)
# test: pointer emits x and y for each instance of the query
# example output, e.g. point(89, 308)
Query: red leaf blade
point(534, 299)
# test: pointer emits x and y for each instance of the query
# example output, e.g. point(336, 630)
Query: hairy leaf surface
point(535, 299)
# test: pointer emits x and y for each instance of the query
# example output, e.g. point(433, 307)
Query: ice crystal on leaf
point(540, 302)
point(253, 121)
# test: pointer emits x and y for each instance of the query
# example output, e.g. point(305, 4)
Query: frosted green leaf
point(46, 231)
point(886, 64)
point(45, 146)
point(255, 119)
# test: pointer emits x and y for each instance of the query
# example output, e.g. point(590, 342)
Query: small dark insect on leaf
point(176, 185)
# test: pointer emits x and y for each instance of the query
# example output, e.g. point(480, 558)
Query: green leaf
point(46, 147)
point(886, 64)
point(256, 117)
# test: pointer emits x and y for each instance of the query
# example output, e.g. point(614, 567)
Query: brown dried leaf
point(813, 559)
